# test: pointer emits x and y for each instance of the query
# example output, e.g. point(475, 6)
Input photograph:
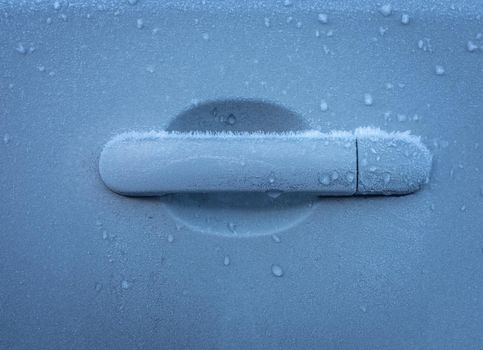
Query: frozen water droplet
point(334, 175)
point(48, 20)
point(41, 68)
point(323, 18)
point(277, 270)
point(299, 24)
point(276, 238)
point(324, 106)
point(385, 10)
point(350, 177)
point(226, 260)
point(232, 227)
point(481, 190)
point(63, 17)
point(324, 179)
point(274, 194)
point(231, 119)
point(21, 49)
point(104, 235)
point(6, 139)
point(363, 308)
point(56, 5)
point(401, 118)
point(387, 178)
point(439, 70)
point(150, 68)
point(463, 208)
point(132, 2)
point(271, 180)
point(383, 30)
point(266, 20)
point(287, 3)
point(170, 238)
point(140, 23)
point(329, 33)
point(317, 33)
point(206, 36)
point(368, 101)
point(471, 46)
point(98, 287)
point(125, 284)
point(405, 18)
point(372, 168)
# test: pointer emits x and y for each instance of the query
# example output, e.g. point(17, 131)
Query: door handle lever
point(367, 161)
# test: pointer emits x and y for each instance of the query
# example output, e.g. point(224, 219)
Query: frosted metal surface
point(84, 268)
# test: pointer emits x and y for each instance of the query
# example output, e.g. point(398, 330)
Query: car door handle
point(367, 161)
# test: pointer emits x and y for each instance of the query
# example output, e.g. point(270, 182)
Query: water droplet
point(206, 36)
point(363, 308)
point(266, 20)
point(389, 86)
point(140, 23)
point(324, 179)
point(56, 5)
point(405, 18)
point(276, 238)
point(226, 260)
point(372, 168)
point(383, 30)
point(463, 208)
point(334, 175)
point(350, 177)
point(277, 270)
point(274, 194)
point(439, 70)
point(170, 238)
point(481, 190)
point(231, 119)
point(41, 68)
point(323, 18)
point(48, 20)
point(232, 227)
point(471, 46)
point(6, 139)
point(104, 235)
point(150, 68)
point(63, 17)
point(298, 24)
point(98, 287)
point(386, 177)
point(324, 106)
point(287, 3)
point(132, 2)
point(386, 10)
point(401, 117)
point(125, 284)
point(21, 49)
point(368, 101)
